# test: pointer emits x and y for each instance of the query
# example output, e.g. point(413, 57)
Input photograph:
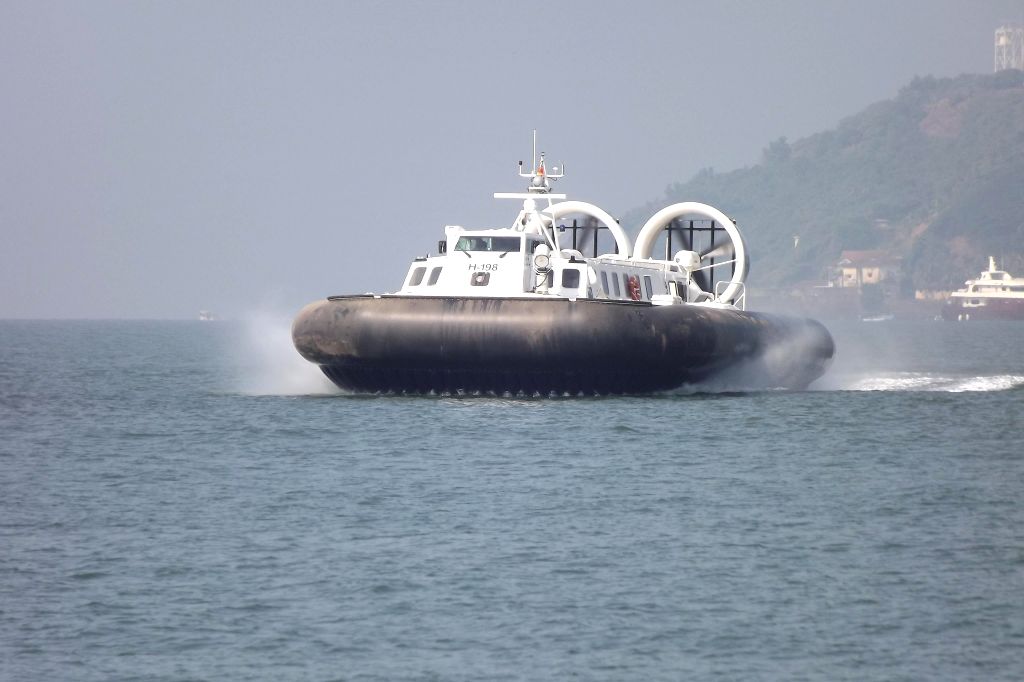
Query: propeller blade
point(683, 234)
point(707, 277)
point(718, 251)
point(702, 278)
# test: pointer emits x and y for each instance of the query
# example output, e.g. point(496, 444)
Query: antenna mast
point(539, 176)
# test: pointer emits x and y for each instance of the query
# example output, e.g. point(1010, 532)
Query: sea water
point(191, 501)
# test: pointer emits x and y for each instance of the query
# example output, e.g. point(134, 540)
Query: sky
point(162, 158)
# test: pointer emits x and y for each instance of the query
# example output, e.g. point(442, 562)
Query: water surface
point(191, 501)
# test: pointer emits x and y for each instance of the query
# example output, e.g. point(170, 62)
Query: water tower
point(1009, 48)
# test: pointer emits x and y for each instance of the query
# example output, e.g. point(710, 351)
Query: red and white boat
point(994, 295)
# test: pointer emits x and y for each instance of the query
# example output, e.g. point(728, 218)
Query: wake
point(923, 381)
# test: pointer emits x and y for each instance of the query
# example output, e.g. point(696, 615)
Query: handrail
point(739, 298)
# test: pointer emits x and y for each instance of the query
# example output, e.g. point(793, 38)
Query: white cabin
point(526, 259)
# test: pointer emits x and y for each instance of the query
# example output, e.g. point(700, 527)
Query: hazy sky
point(158, 158)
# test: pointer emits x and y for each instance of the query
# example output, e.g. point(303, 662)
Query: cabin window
point(625, 284)
point(479, 279)
point(499, 244)
point(649, 285)
point(570, 278)
point(417, 276)
point(615, 285)
point(434, 274)
point(604, 283)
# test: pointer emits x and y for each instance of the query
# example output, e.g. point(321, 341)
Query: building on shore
point(1009, 52)
point(857, 269)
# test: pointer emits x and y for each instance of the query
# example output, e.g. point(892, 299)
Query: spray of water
point(269, 363)
point(788, 361)
point(919, 357)
point(924, 381)
point(870, 359)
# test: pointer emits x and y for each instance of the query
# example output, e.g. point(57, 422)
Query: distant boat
point(206, 316)
point(883, 317)
point(994, 295)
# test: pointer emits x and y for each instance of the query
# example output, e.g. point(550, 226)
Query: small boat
point(519, 309)
point(994, 295)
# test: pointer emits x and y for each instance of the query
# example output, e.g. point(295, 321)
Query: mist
point(908, 357)
point(267, 363)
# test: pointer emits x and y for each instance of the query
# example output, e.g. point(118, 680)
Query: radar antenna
point(540, 178)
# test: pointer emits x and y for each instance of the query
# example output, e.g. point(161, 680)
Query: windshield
point(501, 244)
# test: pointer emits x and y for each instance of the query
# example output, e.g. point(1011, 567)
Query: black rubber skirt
point(446, 345)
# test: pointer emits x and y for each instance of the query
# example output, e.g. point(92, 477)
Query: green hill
point(935, 176)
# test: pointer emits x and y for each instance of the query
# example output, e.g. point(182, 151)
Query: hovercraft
point(519, 310)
